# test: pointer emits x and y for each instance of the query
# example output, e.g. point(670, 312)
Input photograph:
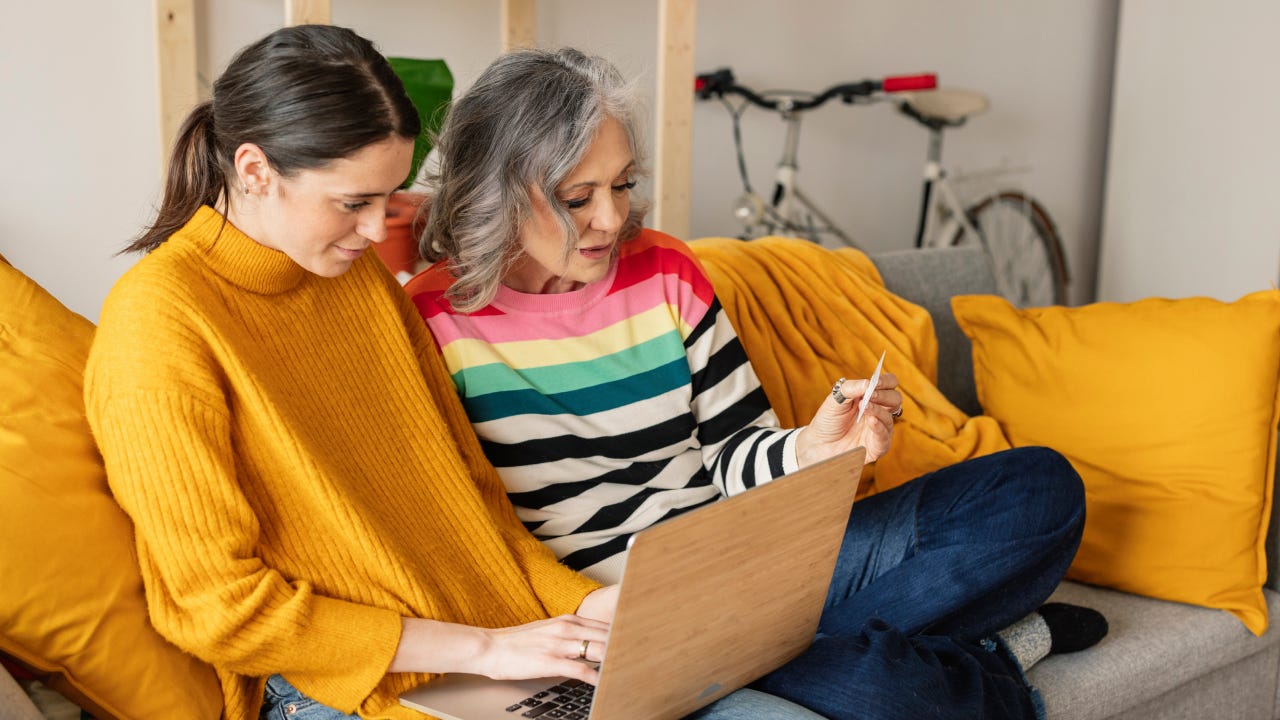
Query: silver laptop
point(710, 601)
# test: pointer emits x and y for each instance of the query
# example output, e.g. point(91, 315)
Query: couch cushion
point(1168, 409)
point(1152, 648)
point(14, 703)
point(929, 277)
point(72, 604)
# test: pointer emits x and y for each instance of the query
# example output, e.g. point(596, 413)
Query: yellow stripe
point(627, 333)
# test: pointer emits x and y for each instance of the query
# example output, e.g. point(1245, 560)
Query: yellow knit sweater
point(300, 472)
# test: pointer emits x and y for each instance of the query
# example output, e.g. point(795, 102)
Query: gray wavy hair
point(528, 121)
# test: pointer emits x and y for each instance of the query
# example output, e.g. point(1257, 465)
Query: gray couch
point(1161, 660)
point(14, 703)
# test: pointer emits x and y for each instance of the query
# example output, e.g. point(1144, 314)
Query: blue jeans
point(282, 701)
point(927, 572)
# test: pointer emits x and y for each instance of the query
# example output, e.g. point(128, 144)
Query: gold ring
point(582, 652)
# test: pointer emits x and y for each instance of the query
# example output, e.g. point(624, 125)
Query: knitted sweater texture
point(300, 472)
point(612, 407)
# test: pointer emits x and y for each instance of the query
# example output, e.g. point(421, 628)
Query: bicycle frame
point(935, 175)
point(786, 193)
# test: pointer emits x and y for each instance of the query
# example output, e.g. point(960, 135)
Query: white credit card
point(871, 387)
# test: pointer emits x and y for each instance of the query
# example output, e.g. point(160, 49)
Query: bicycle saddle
point(944, 106)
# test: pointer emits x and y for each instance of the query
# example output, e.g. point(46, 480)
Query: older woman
point(610, 391)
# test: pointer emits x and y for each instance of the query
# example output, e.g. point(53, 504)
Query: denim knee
point(1059, 491)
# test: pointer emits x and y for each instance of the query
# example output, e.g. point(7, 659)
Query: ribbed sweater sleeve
point(249, 619)
point(170, 463)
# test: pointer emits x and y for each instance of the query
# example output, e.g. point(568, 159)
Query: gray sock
point(1028, 640)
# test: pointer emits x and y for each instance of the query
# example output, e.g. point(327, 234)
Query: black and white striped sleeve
point(742, 445)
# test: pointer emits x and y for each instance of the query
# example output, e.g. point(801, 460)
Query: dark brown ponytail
point(307, 95)
point(196, 177)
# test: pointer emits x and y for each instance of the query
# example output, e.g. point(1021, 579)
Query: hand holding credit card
point(871, 387)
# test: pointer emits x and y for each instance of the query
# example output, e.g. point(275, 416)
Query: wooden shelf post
point(307, 12)
point(176, 75)
point(673, 141)
point(519, 24)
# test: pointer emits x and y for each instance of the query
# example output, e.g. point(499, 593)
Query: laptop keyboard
point(567, 700)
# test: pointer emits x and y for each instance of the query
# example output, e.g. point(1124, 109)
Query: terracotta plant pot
point(399, 251)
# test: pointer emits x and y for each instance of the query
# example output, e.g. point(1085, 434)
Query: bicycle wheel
point(1026, 254)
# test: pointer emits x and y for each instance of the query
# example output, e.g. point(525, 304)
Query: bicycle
point(1012, 227)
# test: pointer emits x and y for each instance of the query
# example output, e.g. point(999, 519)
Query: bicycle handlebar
point(907, 83)
point(722, 82)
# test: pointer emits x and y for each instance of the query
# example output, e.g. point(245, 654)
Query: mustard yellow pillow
point(72, 603)
point(1168, 409)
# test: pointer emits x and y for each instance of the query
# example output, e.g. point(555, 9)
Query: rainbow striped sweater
point(612, 407)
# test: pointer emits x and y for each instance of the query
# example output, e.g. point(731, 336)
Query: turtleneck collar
point(238, 258)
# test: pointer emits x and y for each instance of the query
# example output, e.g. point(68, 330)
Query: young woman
point(314, 515)
point(609, 389)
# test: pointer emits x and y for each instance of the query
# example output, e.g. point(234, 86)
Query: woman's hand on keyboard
point(545, 648)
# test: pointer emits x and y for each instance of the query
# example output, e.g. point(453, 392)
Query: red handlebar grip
point(903, 83)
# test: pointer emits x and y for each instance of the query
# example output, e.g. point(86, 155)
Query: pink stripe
point(449, 328)
point(612, 309)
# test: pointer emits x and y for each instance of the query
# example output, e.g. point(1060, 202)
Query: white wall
point(80, 113)
point(1192, 189)
point(78, 135)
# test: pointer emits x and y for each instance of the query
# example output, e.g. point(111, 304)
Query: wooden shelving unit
point(179, 90)
point(177, 77)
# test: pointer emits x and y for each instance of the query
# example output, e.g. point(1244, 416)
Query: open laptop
point(710, 601)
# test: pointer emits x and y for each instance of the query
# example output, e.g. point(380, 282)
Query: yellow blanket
point(809, 315)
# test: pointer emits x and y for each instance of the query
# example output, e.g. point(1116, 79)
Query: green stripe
point(567, 377)
point(581, 402)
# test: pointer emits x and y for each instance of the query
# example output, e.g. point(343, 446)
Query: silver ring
point(582, 652)
point(835, 392)
point(897, 413)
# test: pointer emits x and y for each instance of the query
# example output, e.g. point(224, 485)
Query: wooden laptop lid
point(716, 598)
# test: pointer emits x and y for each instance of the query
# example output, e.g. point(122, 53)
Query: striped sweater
point(613, 407)
point(299, 472)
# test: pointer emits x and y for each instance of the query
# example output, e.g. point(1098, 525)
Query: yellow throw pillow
point(1168, 409)
point(72, 604)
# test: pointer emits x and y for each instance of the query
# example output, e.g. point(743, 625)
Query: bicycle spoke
point(1022, 246)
